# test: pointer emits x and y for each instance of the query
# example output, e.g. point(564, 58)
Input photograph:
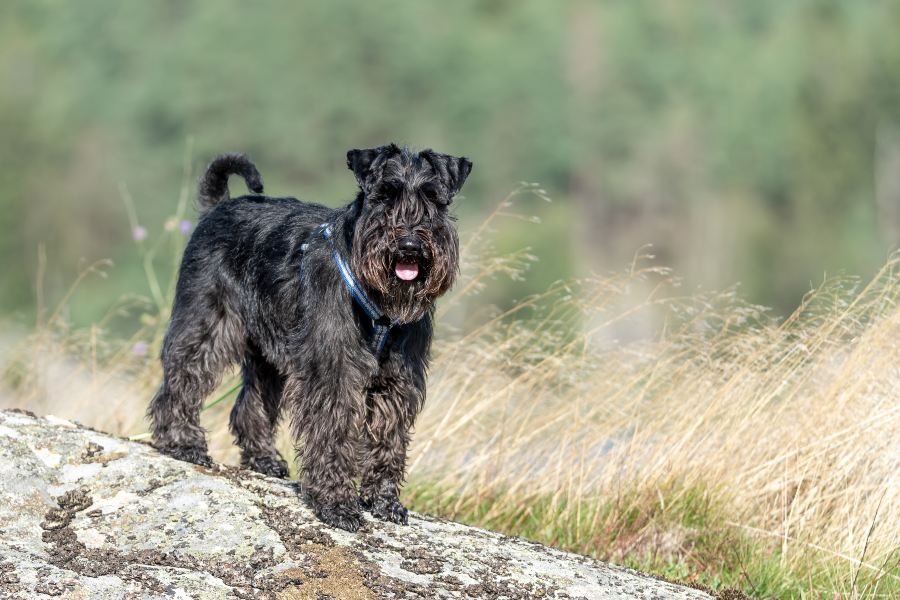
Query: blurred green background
point(754, 142)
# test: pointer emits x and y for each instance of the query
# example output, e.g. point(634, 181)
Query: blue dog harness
point(381, 324)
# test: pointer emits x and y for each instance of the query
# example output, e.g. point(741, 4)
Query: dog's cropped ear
point(452, 170)
point(361, 161)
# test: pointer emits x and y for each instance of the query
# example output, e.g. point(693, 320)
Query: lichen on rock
point(88, 515)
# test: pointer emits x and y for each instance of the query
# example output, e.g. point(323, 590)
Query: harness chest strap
point(381, 324)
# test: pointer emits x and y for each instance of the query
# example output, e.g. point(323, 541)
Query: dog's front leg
point(326, 401)
point(393, 401)
point(390, 412)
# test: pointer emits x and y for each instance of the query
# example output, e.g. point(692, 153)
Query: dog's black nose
point(410, 244)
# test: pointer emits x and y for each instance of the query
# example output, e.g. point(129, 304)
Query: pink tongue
point(407, 271)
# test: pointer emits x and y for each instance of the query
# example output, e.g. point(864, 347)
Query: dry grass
point(717, 444)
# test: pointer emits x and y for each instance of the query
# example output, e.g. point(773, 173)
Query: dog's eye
point(431, 193)
point(390, 190)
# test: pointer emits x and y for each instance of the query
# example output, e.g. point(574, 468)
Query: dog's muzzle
point(409, 258)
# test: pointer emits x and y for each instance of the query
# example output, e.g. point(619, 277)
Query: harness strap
point(381, 324)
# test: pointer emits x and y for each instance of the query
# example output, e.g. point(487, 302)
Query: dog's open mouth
point(407, 271)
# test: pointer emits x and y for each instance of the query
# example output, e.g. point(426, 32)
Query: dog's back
point(244, 249)
point(251, 233)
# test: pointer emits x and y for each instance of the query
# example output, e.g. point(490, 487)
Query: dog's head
point(405, 247)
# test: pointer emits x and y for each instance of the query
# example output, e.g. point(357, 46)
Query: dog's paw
point(342, 516)
point(273, 466)
point(387, 508)
point(198, 456)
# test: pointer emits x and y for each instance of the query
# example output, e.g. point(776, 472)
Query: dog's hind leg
point(254, 418)
point(195, 353)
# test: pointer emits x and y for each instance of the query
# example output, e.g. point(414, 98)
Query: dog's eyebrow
point(396, 168)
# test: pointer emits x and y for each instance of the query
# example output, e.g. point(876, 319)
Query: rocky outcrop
point(87, 515)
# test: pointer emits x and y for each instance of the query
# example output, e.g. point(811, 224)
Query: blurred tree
point(746, 141)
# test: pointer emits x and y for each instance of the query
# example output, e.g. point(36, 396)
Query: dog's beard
point(406, 301)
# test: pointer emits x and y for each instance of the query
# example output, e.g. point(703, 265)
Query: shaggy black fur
point(259, 286)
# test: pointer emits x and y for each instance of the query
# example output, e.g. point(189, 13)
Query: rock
point(87, 515)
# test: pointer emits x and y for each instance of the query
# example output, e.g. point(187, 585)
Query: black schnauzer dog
point(328, 311)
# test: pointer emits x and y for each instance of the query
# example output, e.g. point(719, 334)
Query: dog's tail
point(214, 183)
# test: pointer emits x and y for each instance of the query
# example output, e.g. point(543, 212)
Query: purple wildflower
point(139, 349)
point(138, 233)
point(185, 227)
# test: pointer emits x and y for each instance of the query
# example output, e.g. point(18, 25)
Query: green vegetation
point(684, 534)
point(747, 141)
point(677, 534)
